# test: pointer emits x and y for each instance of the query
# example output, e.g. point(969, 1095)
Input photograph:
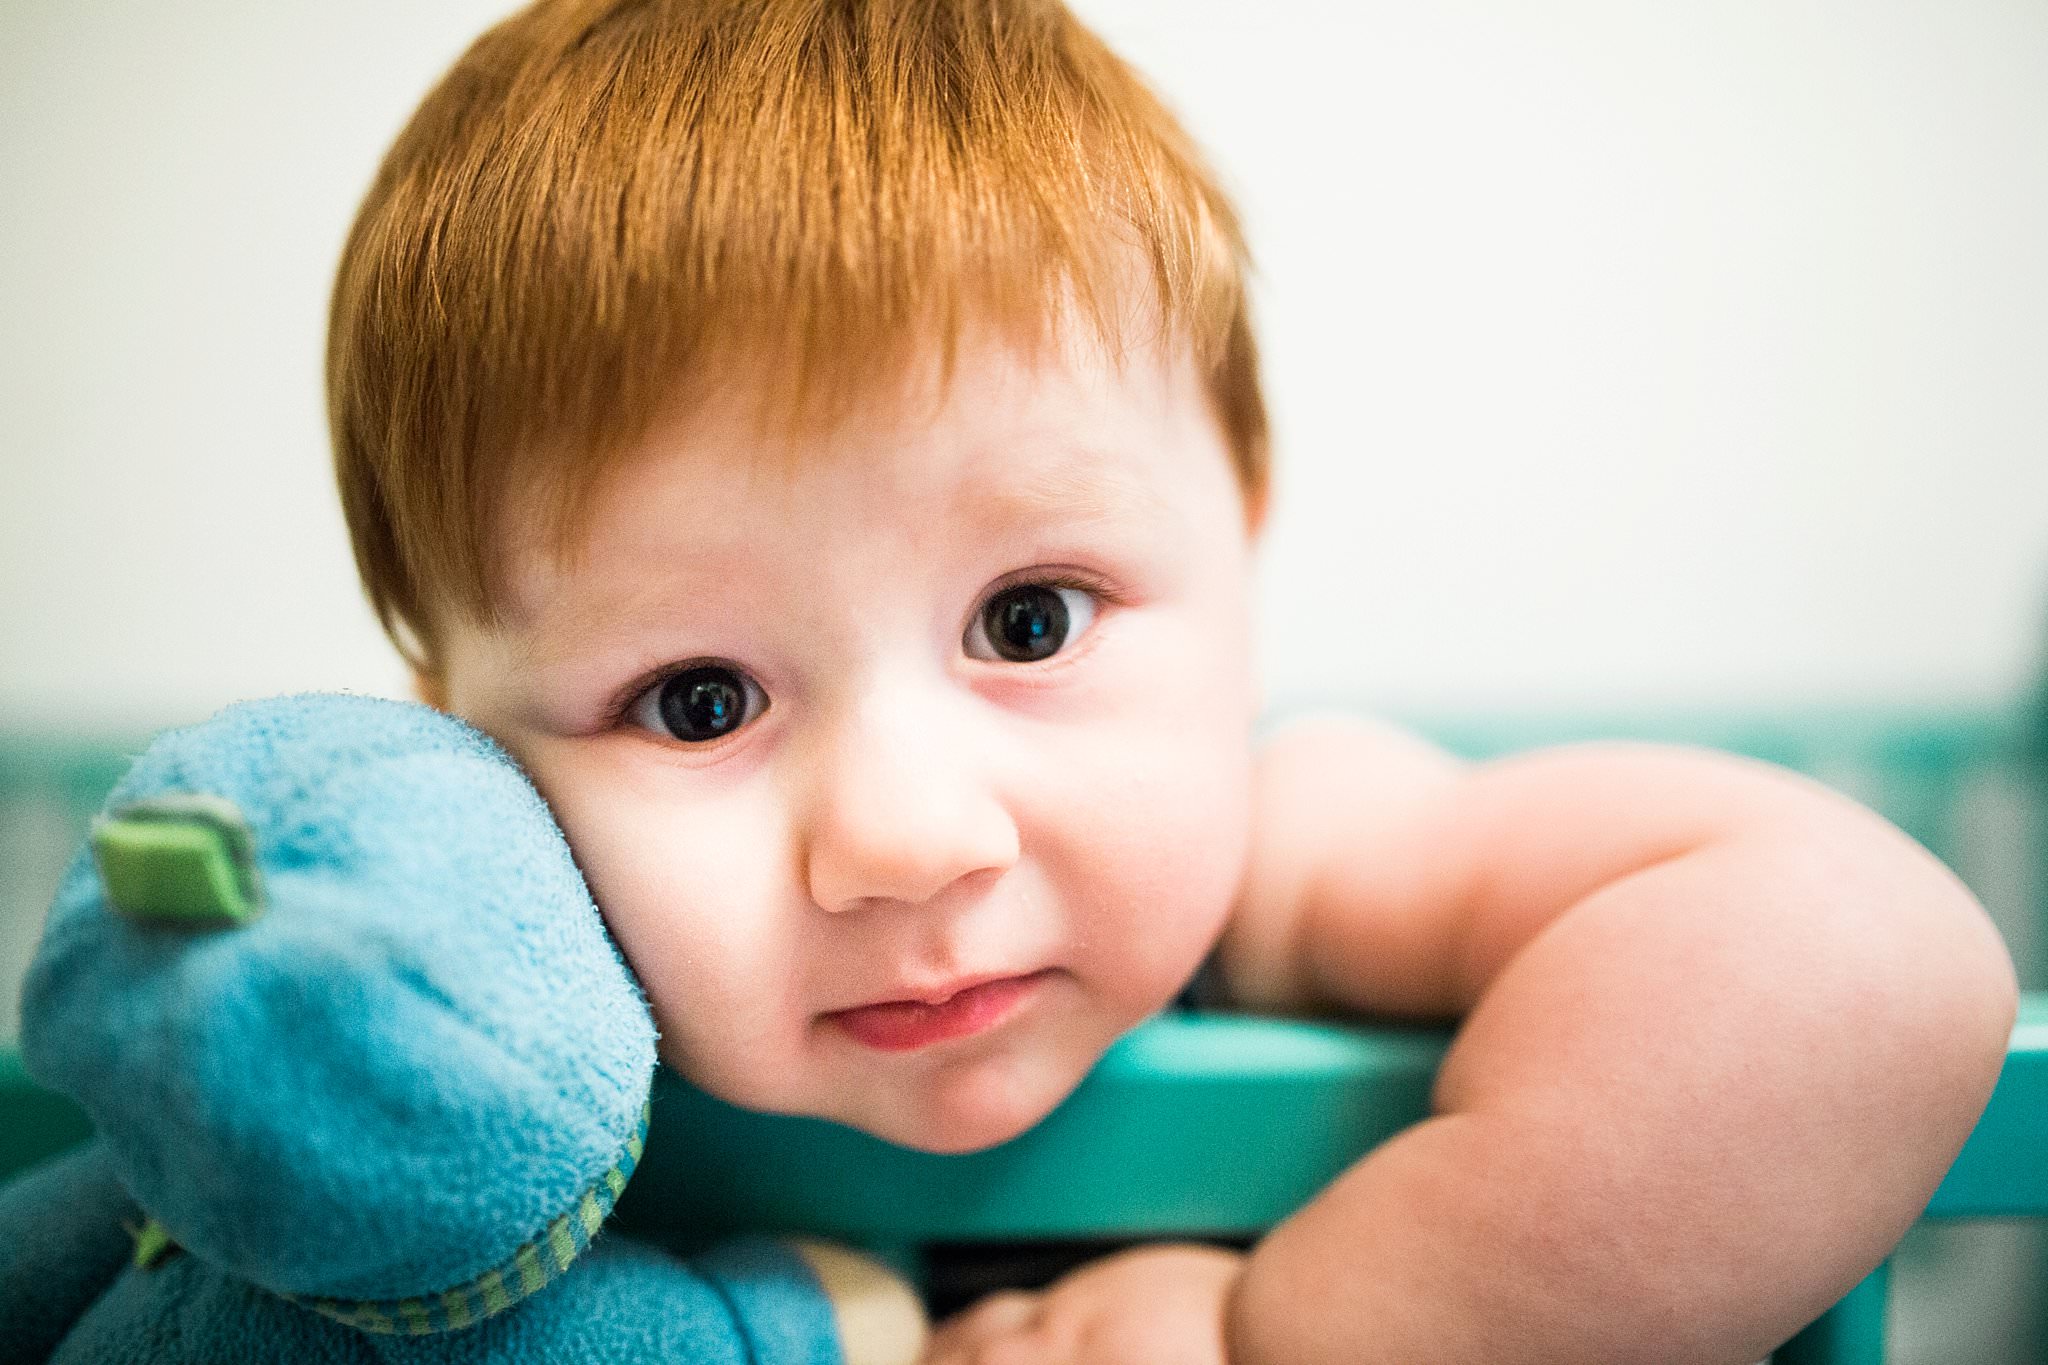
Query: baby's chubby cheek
point(707, 930)
point(686, 892)
point(1161, 828)
point(1169, 858)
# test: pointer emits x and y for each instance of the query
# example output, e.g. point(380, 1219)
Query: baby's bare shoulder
point(1390, 876)
point(1327, 786)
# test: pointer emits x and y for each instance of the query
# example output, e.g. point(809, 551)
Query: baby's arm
point(1726, 1032)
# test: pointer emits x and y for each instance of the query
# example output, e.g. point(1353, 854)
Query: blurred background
point(1618, 352)
point(1625, 360)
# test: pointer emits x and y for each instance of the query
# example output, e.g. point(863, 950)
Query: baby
point(822, 440)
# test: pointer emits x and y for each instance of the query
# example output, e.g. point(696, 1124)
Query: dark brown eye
point(1029, 622)
point(698, 704)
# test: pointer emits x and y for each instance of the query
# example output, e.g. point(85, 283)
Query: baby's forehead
point(1095, 449)
point(1065, 429)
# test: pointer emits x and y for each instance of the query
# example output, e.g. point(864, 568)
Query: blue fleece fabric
point(750, 1302)
point(61, 1245)
point(424, 1049)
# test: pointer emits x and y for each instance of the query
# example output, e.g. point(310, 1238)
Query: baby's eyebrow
point(1074, 486)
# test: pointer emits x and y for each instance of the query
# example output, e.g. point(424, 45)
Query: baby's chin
point(969, 1108)
point(966, 1106)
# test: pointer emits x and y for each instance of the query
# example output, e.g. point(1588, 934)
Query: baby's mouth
point(904, 1025)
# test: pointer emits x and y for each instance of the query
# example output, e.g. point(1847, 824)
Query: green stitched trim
point(530, 1276)
point(152, 1243)
point(526, 1271)
point(493, 1288)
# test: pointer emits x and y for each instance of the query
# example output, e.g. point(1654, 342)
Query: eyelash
point(622, 704)
point(1095, 587)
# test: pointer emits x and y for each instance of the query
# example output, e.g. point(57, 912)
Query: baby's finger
point(1002, 1314)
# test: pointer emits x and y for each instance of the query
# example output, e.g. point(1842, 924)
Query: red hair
point(604, 200)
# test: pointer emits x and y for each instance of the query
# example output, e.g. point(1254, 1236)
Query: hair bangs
point(605, 207)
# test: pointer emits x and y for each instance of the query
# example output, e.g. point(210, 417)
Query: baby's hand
point(1162, 1304)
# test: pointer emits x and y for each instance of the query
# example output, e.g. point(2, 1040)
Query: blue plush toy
point(367, 1076)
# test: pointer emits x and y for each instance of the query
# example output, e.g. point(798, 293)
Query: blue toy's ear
point(180, 861)
point(333, 991)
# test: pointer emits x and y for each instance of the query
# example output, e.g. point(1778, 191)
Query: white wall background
point(1619, 353)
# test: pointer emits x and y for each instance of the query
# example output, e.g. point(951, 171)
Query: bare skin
point(1724, 1032)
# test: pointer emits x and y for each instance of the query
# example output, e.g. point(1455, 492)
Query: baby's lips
point(901, 1025)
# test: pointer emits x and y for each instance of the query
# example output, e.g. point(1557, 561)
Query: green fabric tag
point(182, 861)
point(152, 1243)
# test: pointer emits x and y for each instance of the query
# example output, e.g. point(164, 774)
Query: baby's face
point(908, 780)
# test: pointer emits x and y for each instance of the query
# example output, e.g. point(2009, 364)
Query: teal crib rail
point(1254, 1114)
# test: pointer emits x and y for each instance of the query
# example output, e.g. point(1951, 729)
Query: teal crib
point(1217, 1126)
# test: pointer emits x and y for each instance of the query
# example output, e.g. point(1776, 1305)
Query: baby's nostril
point(181, 862)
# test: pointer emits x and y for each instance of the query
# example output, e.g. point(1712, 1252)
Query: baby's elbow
point(1987, 1000)
point(1976, 1004)
point(1907, 1016)
point(1971, 1002)
point(1971, 992)
point(1891, 968)
point(1943, 989)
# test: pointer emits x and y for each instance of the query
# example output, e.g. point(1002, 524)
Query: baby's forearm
point(1682, 1120)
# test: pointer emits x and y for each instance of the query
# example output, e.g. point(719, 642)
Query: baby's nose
point(899, 814)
